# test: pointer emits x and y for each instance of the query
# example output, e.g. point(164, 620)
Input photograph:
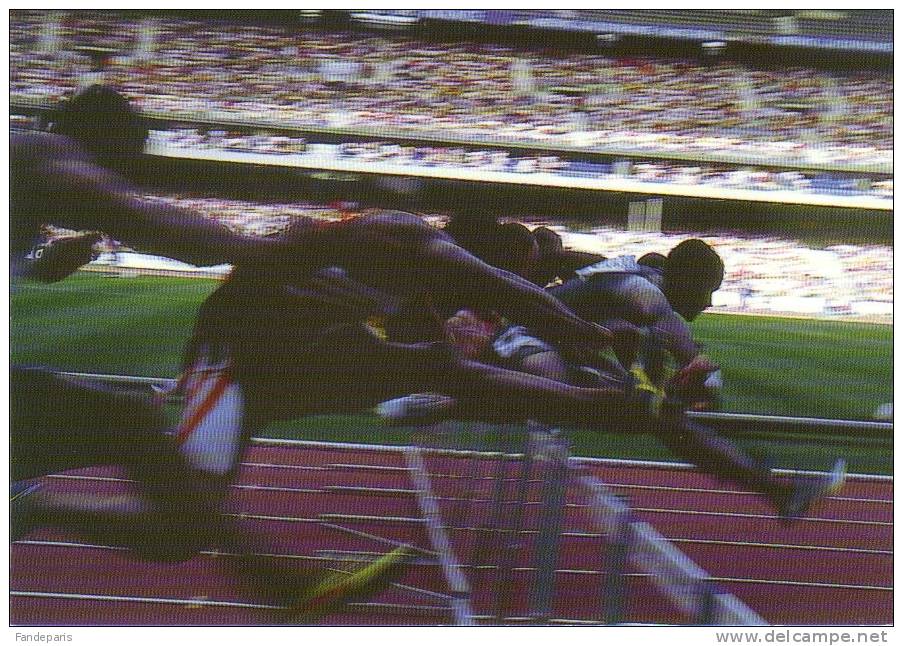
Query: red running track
point(317, 503)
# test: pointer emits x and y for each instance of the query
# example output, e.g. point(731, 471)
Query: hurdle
point(494, 512)
point(636, 544)
point(497, 514)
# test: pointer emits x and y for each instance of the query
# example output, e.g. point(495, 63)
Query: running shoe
point(21, 508)
point(646, 397)
point(416, 410)
point(341, 588)
point(807, 490)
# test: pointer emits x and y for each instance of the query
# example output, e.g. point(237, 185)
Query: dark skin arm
point(55, 182)
point(471, 282)
point(569, 261)
point(400, 253)
point(562, 264)
point(89, 197)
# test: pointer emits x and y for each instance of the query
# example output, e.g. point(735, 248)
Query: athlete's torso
point(617, 288)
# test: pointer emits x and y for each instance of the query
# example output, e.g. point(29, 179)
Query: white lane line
point(782, 546)
point(209, 603)
point(655, 510)
point(239, 604)
point(615, 462)
point(807, 584)
point(670, 488)
point(574, 571)
point(689, 541)
point(439, 476)
point(688, 512)
point(683, 540)
point(128, 599)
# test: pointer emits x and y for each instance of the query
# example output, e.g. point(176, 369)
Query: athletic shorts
point(211, 429)
point(515, 344)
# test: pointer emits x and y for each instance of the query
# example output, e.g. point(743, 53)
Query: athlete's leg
point(700, 445)
point(245, 368)
point(58, 425)
point(720, 457)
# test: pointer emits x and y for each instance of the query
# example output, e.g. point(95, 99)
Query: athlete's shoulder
point(397, 224)
point(387, 217)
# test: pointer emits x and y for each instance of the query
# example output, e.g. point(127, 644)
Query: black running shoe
point(807, 490)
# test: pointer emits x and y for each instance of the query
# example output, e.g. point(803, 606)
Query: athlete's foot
point(21, 508)
point(646, 400)
point(342, 588)
point(416, 410)
point(807, 490)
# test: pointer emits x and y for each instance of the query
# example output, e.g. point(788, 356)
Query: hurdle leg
point(512, 536)
point(549, 539)
point(616, 555)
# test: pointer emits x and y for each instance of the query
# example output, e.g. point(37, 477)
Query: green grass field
point(137, 326)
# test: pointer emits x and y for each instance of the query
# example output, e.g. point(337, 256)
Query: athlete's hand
point(63, 256)
point(698, 383)
point(626, 339)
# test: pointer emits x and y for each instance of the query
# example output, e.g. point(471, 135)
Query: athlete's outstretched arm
point(82, 195)
point(474, 283)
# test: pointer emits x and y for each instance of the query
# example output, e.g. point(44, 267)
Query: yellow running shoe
point(341, 588)
point(645, 392)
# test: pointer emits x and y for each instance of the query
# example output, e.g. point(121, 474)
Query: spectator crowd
point(475, 91)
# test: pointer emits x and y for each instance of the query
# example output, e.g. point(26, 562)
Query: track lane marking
point(439, 476)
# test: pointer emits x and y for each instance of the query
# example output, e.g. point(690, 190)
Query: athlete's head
point(548, 264)
point(470, 333)
point(549, 242)
point(103, 122)
point(509, 246)
point(516, 249)
point(692, 272)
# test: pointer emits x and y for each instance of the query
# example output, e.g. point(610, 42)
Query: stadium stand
point(479, 91)
point(828, 28)
point(650, 170)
